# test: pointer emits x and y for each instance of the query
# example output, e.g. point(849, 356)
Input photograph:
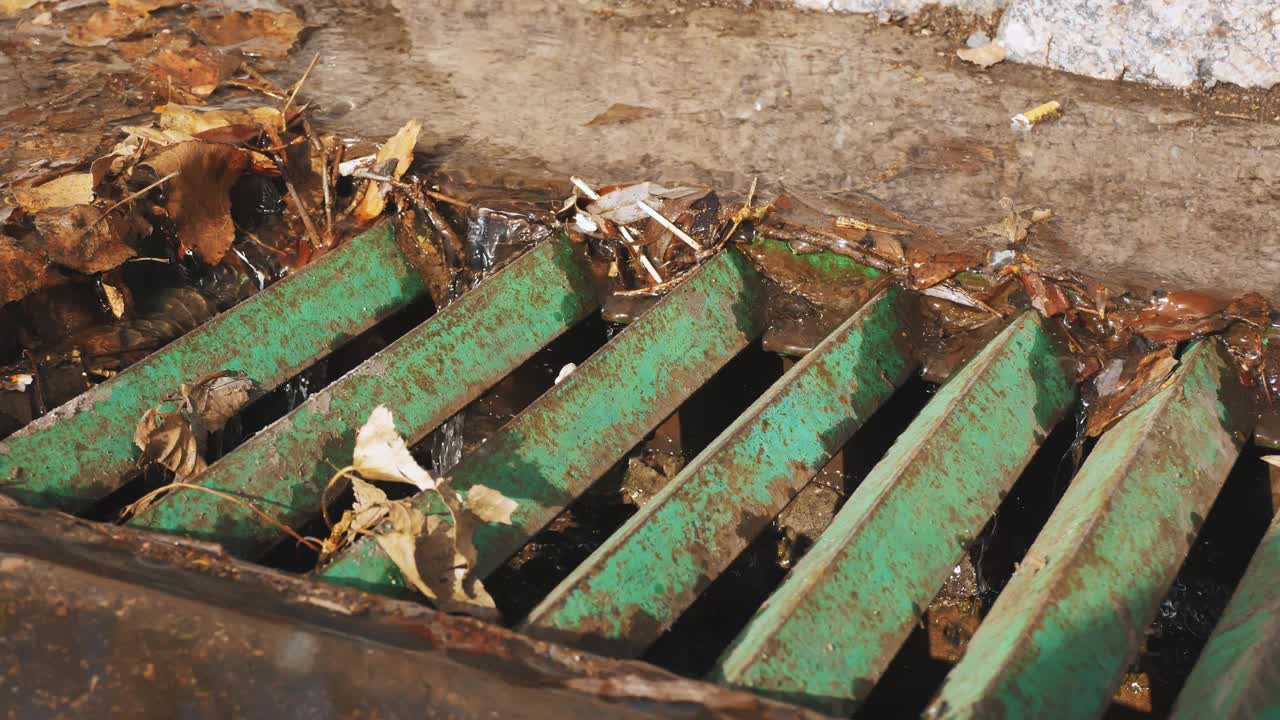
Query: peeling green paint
point(825, 636)
point(84, 450)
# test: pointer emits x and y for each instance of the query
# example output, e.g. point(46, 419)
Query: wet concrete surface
point(1149, 187)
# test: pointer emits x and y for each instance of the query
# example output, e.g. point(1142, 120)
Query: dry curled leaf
point(392, 160)
point(199, 199)
point(254, 32)
point(64, 191)
point(381, 454)
point(984, 55)
point(369, 508)
point(167, 438)
point(217, 399)
point(82, 238)
point(176, 438)
point(490, 505)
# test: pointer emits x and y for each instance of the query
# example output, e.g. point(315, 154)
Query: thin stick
point(284, 114)
point(382, 179)
point(145, 499)
point(135, 195)
point(585, 188)
point(302, 211)
point(669, 225)
point(446, 199)
point(626, 234)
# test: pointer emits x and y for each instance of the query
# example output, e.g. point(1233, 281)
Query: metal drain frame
point(944, 477)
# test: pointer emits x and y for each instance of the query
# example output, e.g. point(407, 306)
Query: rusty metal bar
point(1061, 634)
point(551, 452)
point(112, 622)
point(1238, 673)
point(426, 376)
point(635, 585)
point(84, 450)
point(824, 638)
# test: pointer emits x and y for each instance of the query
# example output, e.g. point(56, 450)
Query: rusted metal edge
point(565, 440)
point(824, 638)
point(84, 450)
point(636, 584)
point(1238, 673)
point(104, 621)
point(425, 377)
point(1063, 630)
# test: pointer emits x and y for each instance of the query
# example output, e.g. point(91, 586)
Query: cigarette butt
point(1036, 115)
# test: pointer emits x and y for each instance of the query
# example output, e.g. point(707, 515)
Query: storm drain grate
point(1055, 643)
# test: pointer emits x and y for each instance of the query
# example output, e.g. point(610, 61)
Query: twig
point(446, 199)
point(146, 500)
point(669, 225)
point(319, 146)
point(135, 195)
point(626, 234)
point(302, 211)
point(848, 222)
point(284, 114)
point(382, 179)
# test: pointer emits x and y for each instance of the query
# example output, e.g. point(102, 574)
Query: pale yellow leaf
point(381, 454)
point(490, 505)
point(398, 149)
point(61, 192)
point(985, 55)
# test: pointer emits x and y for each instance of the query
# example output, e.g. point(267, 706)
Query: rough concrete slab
point(1149, 187)
point(977, 7)
point(1169, 42)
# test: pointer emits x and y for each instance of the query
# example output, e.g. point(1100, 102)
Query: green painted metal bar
point(1238, 673)
point(1061, 634)
point(634, 586)
point(570, 436)
point(84, 450)
point(827, 634)
point(426, 376)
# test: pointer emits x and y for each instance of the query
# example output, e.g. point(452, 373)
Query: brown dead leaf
point(1122, 387)
point(1046, 297)
point(254, 32)
point(24, 270)
point(985, 55)
point(195, 71)
point(369, 509)
point(106, 25)
point(198, 199)
point(215, 400)
point(194, 121)
point(621, 113)
point(79, 237)
point(393, 160)
point(167, 438)
point(927, 271)
point(64, 191)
